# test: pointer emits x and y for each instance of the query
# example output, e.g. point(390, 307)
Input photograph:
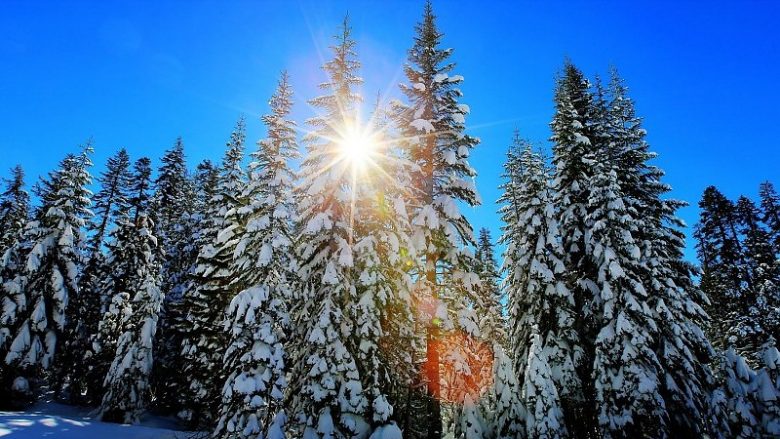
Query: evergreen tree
point(104, 341)
point(720, 252)
point(506, 411)
point(770, 206)
point(109, 203)
point(768, 389)
point(140, 188)
point(174, 206)
point(137, 297)
point(760, 318)
point(641, 311)
point(14, 212)
point(48, 277)
point(739, 381)
point(545, 415)
point(211, 288)
point(541, 307)
point(491, 318)
point(433, 122)
point(258, 318)
point(14, 209)
point(383, 310)
point(328, 398)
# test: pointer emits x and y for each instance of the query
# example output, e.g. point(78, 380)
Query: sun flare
point(357, 146)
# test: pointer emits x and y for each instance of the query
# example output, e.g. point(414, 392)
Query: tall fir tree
point(257, 324)
point(212, 287)
point(104, 340)
point(491, 317)
point(541, 306)
point(770, 207)
point(76, 361)
point(329, 400)
point(47, 276)
point(174, 213)
point(140, 188)
point(134, 256)
point(434, 122)
point(624, 252)
point(14, 209)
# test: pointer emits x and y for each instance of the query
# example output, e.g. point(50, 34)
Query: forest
point(325, 283)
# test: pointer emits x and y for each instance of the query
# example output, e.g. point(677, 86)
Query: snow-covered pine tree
point(14, 209)
point(545, 417)
point(48, 277)
point(671, 315)
point(211, 288)
point(739, 392)
point(573, 132)
point(720, 253)
point(384, 332)
point(767, 390)
point(761, 307)
point(433, 122)
point(491, 316)
point(629, 278)
point(626, 368)
point(506, 414)
point(770, 207)
point(174, 213)
point(541, 307)
point(328, 398)
point(76, 361)
point(14, 214)
point(134, 258)
point(257, 323)
point(103, 346)
point(139, 195)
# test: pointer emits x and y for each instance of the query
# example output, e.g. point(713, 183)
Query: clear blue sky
point(139, 74)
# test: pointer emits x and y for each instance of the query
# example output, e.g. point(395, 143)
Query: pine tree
point(770, 206)
point(760, 319)
point(506, 411)
point(14, 215)
point(573, 135)
point(14, 209)
point(137, 296)
point(140, 188)
point(434, 122)
point(211, 288)
point(49, 272)
point(109, 203)
point(739, 390)
point(491, 318)
point(258, 317)
point(767, 389)
point(383, 304)
point(720, 252)
point(174, 213)
point(329, 400)
point(672, 327)
point(104, 340)
point(541, 307)
point(641, 311)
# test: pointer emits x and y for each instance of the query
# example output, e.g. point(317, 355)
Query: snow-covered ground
point(52, 420)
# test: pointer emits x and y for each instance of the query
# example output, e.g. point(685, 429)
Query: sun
point(357, 145)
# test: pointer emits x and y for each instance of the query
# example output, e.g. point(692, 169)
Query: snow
point(50, 419)
point(423, 125)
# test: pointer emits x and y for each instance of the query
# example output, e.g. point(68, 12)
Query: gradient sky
point(138, 74)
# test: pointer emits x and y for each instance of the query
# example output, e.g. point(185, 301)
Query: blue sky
point(138, 74)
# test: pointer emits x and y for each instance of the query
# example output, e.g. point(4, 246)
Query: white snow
point(61, 421)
